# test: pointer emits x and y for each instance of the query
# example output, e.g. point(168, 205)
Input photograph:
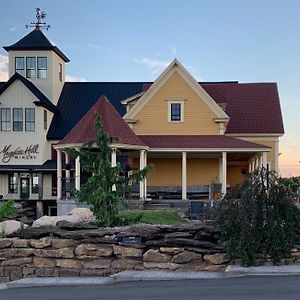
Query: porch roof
point(213, 142)
point(113, 124)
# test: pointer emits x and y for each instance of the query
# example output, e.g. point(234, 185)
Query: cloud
point(75, 79)
point(155, 65)
point(3, 67)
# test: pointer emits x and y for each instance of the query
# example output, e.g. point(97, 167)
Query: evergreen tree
point(95, 159)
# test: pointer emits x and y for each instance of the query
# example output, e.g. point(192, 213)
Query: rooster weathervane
point(40, 15)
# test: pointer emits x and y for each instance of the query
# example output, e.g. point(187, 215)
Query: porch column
point(68, 175)
point(183, 176)
point(264, 159)
point(145, 179)
point(260, 159)
point(59, 175)
point(77, 174)
point(224, 172)
point(250, 166)
point(114, 164)
point(142, 164)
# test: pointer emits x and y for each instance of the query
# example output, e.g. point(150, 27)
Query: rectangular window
point(20, 65)
point(60, 72)
point(29, 119)
point(18, 119)
point(45, 120)
point(30, 67)
point(13, 183)
point(42, 67)
point(35, 183)
point(175, 111)
point(5, 119)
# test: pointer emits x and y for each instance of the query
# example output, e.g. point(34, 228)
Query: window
point(35, 183)
point(30, 67)
point(17, 119)
point(42, 67)
point(5, 119)
point(13, 183)
point(60, 72)
point(29, 119)
point(20, 65)
point(175, 111)
point(45, 119)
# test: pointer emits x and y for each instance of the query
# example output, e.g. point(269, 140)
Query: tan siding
point(198, 117)
point(234, 175)
point(3, 184)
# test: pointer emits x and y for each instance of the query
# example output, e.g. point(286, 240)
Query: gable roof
point(246, 104)
point(176, 66)
point(198, 142)
point(36, 40)
point(43, 100)
point(113, 124)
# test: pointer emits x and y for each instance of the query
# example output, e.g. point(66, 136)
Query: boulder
point(10, 226)
point(216, 259)
point(155, 256)
point(77, 215)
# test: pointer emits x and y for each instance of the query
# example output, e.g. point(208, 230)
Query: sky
point(216, 40)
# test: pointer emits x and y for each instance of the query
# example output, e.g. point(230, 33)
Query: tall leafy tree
point(95, 158)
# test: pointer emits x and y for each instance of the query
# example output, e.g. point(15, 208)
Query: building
point(194, 133)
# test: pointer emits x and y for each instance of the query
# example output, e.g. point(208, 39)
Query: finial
point(40, 15)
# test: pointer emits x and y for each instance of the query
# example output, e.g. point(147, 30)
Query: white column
point(145, 179)
point(142, 158)
point(250, 166)
point(77, 173)
point(260, 159)
point(224, 172)
point(59, 175)
point(183, 175)
point(68, 176)
point(264, 159)
point(114, 164)
point(276, 150)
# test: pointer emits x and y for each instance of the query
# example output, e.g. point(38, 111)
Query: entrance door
point(24, 193)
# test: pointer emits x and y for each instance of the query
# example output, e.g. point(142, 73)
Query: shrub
point(258, 219)
point(7, 209)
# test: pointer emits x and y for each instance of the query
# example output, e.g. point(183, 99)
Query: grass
point(163, 217)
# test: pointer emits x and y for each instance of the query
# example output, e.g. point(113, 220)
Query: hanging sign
point(8, 152)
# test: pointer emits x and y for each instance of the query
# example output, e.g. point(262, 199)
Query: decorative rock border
point(83, 250)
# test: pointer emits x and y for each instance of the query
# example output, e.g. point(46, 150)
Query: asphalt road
point(264, 287)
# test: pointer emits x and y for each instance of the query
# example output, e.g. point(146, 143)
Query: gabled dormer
point(39, 61)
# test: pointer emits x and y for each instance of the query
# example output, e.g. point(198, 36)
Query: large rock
point(155, 256)
point(127, 251)
point(93, 250)
point(10, 226)
point(216, 259)
point(185, 257)
point(77, 215)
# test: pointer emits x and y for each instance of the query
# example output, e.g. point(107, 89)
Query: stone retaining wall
point(83, 250)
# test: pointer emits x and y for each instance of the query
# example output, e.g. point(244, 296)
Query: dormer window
point(30, 67)
point(175, 111)
point(20, 65)
point(42, 67)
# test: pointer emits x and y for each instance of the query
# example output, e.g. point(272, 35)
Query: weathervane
point(40, 15)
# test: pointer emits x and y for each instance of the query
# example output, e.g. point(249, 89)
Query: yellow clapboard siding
point(234, 175)
point(198, 117)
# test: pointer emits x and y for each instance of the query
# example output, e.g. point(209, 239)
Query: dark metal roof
point(43, 100)
point(78, 97)
point(36, 40)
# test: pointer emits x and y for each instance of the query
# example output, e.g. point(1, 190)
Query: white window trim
point(181, 102)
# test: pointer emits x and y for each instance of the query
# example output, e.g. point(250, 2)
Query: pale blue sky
point(126, 40)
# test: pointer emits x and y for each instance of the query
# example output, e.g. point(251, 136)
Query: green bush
point(7, 209)
point(258, 219)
